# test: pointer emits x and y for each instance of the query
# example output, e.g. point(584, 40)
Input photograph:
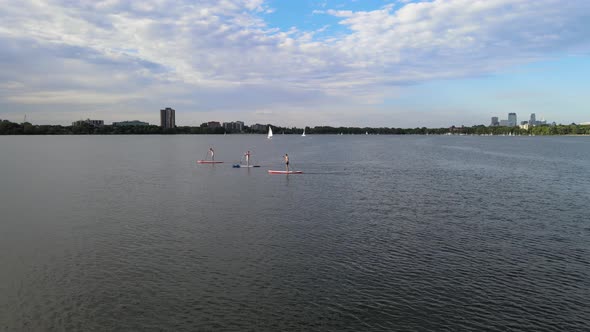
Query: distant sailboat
point(269, 133)
point(303, 132)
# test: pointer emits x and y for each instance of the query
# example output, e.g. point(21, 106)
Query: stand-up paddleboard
point(284, 172)
point(209, 162)
point(247, 164)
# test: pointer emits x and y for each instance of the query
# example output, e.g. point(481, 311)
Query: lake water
point(381, 233)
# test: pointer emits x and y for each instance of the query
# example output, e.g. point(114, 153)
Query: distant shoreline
point(11, 128)
point(244, 134)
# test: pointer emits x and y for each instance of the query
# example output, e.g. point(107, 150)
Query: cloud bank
point(113, 59)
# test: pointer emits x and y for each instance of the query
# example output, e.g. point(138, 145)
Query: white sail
point(269, 132)
point(303, 132)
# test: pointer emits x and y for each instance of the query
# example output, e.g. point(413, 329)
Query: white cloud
point(69, 97)
point(11, 85)
point(102, 50)
point(340, 13)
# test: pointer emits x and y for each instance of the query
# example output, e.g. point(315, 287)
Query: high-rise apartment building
point(167, 118)
point(533, 120)
point(512, 120)
point(495, 121)
point(236, 126)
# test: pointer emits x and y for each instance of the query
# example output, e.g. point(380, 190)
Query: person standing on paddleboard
point(247, 158)
point(287, 162)
point(212, 154)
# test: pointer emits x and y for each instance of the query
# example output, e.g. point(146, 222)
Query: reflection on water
point(380, 233)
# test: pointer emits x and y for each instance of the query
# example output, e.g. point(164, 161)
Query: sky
point(295, 62)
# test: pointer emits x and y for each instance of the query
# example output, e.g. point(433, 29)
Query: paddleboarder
point(247, 154)
point(212, 152)
point(287, 162)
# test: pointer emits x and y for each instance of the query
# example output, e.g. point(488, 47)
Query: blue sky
point(305, 14)
point(295, 63)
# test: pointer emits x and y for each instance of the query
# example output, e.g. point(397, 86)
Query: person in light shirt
point(247, 155)
point(212, 153)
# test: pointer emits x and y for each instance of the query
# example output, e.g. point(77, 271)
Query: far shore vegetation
point(26, 128)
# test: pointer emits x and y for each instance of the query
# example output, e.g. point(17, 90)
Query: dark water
point(382, 233)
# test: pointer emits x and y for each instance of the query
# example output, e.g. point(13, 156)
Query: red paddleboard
point(209, 162)
point(284, 172)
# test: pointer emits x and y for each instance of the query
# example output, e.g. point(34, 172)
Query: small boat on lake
point(269, 136)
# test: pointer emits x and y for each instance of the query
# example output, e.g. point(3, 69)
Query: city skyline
point(337, 63)
point(168, 120)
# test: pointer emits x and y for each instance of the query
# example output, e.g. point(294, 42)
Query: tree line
point(11, 128)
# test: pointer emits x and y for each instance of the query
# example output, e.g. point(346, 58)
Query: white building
point(94, 123)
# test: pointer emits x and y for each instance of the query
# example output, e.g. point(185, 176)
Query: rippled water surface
point(383, 233)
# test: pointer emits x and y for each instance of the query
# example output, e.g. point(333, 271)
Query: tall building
point(495, 121)
point(533, 120)
point(167, 118)
point(512, 120)
point(237, 126)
